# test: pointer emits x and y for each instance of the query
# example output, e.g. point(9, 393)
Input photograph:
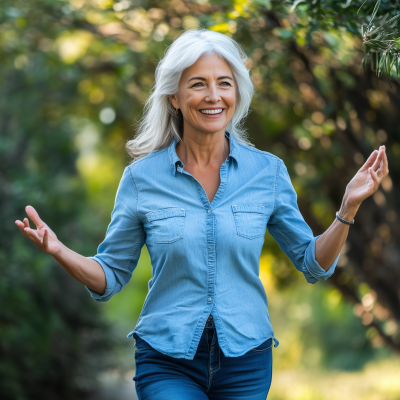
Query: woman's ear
point(174, 101)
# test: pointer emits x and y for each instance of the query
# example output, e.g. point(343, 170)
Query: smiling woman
point(161, 122)
point(201, 198)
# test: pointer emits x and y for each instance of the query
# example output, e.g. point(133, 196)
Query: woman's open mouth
point(212, 113)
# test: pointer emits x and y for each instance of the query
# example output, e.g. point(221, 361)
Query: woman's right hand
point(43, 237)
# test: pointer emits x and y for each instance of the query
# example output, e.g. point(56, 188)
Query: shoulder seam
point(266, 153)
point(152, 154)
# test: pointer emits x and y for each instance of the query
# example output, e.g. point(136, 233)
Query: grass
point(376, 381)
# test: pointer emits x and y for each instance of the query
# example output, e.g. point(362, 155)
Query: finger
point(45, 239)
point(32, 234)
point(20, 225)
point(374, 175)
point(385, 164)
point(34, 216)
point(370, 161)
point(26, 223)
point(379, 159)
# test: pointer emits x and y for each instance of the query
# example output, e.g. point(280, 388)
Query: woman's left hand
point(365, 182)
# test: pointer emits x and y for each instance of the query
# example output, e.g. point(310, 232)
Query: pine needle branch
point(381, 38)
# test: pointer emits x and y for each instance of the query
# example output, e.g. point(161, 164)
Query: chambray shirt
point(204, 256)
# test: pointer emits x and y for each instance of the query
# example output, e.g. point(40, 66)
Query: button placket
point(210, 237)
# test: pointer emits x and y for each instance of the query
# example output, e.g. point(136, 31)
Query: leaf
point(388, 63)
point(380, 65)
point(378, 3)
point(295, 4)
point(348, 2)
point(365, 60)
point(362, 5)
point(388, 68)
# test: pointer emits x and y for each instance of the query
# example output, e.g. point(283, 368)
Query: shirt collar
point(177, 164)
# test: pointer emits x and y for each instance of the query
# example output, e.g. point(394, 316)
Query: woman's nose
point(213, 95)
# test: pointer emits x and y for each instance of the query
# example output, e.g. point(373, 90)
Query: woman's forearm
point(83, 269)
point(363, 185)
point(328, 245)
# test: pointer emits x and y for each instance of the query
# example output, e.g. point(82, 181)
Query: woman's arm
point(363, 185)
point(84, 270)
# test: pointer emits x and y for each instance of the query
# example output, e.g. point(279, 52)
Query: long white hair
point(160, 123)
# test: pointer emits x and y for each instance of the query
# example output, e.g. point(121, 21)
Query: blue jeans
point(209, 376)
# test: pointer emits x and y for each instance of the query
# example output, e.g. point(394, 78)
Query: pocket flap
point(166, 213)
point(250, 208)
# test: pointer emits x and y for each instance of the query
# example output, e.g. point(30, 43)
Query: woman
point(201, 198)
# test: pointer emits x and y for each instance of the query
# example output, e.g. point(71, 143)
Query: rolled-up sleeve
point(119, 253)
point(291, 232)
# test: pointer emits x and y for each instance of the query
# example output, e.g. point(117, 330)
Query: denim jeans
point(210, 375)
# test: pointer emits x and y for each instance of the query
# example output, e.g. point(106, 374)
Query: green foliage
point(53, 339)
point(380, 34)
point(382, 43)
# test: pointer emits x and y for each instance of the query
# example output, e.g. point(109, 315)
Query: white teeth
point(217, 111)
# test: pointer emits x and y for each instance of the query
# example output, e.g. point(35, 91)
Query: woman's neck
point(203, 149)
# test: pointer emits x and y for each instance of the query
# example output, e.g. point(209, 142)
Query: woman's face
point(207, 95)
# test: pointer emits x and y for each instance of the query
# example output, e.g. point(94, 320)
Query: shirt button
point(209, 299)
point(209, 211)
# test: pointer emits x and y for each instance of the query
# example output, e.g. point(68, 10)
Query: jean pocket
point(249, 220)
point(167, 225)
point(264, 346)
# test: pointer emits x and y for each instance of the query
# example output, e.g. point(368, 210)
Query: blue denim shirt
point(204, 257)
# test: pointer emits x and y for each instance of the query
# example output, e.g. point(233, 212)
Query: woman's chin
point(212, 127)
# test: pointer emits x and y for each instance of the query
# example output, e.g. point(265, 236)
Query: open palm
point(368, 178)
point(43, 237)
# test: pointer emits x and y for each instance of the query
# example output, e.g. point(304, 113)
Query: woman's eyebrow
point(197, 77)
point(203, 79)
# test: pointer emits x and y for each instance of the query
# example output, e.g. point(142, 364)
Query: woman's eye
point(197, 84)
point(225, 84)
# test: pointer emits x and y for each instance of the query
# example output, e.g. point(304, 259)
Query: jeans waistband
point(210, 322)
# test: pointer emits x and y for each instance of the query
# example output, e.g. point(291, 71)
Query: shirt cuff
point(313, 271)
point(111, 282)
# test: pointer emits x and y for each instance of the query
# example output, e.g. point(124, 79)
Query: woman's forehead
point(207, 66)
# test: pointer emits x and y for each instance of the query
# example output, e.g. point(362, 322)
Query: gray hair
point(160, 123)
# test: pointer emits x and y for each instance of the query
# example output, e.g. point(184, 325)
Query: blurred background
point(73, 78)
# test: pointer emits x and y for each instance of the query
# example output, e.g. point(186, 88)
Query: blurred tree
point(53, 340)
point(344, 114)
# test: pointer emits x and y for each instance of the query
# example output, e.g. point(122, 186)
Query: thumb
point(34, 216)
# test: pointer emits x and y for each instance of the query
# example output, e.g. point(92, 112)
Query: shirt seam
point(137, 218)
point(136, 193)
point(278, 167)
point(152, 154)
point(266, 153)
point(282, 237)
point(309, 271)
point(288, 245)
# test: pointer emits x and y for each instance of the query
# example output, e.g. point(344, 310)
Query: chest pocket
point(249, 220)
point(167, 226)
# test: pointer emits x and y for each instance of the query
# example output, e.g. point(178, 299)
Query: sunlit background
point(73, 78)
